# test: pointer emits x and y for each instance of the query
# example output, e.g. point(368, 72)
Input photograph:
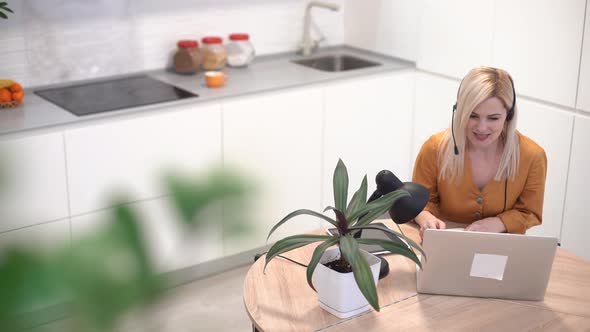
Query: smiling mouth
point(481, 137)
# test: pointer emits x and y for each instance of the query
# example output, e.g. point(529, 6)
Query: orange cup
point(215, 79)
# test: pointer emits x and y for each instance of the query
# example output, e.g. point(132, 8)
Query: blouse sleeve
point(528, 209)
point(426, 173)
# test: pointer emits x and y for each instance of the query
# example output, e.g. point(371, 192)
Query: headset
point(509, 116)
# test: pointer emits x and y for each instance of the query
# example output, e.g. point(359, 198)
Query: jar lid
point(187, 43)
point(211, 40)
point(239, 36)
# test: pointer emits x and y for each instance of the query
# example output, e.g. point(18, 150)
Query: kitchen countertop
point(266, 73)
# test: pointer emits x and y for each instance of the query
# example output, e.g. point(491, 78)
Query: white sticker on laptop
point(488, 266)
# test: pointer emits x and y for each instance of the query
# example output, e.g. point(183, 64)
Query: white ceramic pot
point(338, 292)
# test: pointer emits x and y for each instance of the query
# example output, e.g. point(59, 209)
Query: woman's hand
point(426, 220)
point(491, 225)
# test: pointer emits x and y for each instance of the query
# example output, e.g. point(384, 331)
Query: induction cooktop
point(113, 94)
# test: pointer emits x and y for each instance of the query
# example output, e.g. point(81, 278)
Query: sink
point(336, 62)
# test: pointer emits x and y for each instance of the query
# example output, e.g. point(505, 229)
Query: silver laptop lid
point(480, 264)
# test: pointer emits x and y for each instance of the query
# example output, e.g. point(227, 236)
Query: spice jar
point(187, 59)
point(240, 52)
point(214, 53)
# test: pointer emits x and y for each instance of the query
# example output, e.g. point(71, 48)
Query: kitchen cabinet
point(54, 235)
point(32, 181)
point(129, 156)
point(583, 99)
point(538, 42)
point(456, 36)
point(169, 243)
point(547, 125)
point(384, 26)
point(575, 231)
point(275, 139)
point(368, 124)
point(435, 97)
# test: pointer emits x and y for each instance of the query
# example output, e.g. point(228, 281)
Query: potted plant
point(333, 280)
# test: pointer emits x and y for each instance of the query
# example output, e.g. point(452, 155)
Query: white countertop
point(266, 73)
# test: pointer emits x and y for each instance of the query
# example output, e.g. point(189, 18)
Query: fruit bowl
point(9, 104)
point(11, 94)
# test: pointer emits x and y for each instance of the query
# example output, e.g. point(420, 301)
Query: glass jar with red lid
point(214, 53)
point(187, 59)
point(240, 51)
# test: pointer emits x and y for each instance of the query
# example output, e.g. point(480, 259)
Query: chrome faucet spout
point(308, 45)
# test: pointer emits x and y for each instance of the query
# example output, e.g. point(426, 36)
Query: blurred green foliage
point(106, 274)
point(4, 8)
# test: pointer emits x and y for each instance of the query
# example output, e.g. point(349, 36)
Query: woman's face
point(486, 123)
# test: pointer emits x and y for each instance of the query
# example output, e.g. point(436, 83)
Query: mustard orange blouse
point(463, 202)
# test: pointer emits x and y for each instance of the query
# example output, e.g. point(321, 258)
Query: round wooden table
point(280, 300)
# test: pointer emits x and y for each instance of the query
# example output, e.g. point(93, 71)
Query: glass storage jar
point(214, 53)
point(187, 59)
point(240, 51)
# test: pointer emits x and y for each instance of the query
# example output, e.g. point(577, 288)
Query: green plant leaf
point(394, 248)
point(381, 202)
point(392, 232)
point(361, 270)
point(3, 15)
point(315, 258)
point(300, 212)
point(359, 199)
point(292, 242)
point(191, 196)
point(340, 183)
point(342, 222)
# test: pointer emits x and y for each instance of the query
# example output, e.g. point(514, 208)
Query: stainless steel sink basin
point(336, 62)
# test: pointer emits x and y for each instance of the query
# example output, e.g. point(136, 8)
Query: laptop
point(507, 266)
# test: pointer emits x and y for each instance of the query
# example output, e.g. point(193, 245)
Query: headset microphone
point(453, 129)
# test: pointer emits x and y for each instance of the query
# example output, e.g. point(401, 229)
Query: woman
point(482, 172)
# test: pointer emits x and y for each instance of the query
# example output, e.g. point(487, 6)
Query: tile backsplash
point(54, 41)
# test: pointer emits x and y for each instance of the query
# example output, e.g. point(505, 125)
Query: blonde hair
point(478, 85)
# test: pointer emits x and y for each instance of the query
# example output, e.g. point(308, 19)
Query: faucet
point(308, 45)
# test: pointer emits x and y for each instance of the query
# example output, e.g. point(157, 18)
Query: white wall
point(56, 40)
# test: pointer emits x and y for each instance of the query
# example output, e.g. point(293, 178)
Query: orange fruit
point(18, 96)
point(5, 95)
point(15, 87)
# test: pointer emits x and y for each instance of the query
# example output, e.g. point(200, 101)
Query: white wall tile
point(539, 43)
point(550, 127)
point(583, 100)
point(455, 36)
point(78, 39)
point(575, 231)
point(385, 26)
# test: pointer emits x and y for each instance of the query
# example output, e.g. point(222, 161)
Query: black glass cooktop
point(114, 94)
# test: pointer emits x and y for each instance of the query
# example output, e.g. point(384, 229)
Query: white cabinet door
point(384, 26)
point(550, 127)
point(131, 155)
point(583, 100)
point(455, 36)
point(539, 43)
point(32, 181)
point(435, 97)
point(54, 235)
point(275, 139)
point(169, 243)
point(368, 125)
point(575, 231)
